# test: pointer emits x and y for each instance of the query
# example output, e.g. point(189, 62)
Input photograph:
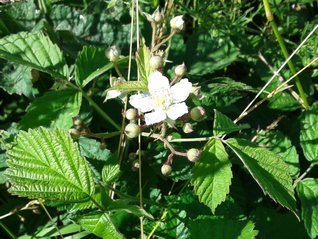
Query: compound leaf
point(48, 165)
point(212, 175)
point(268, 169)
point(36, 51)
point(130, 86)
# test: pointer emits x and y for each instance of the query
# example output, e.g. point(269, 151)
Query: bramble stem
point(270, 18)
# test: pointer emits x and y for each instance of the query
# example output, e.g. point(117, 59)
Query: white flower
point(167, 102)
point(177, 23)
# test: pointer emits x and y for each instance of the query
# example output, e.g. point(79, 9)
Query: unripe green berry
point(156, 62)
point(131, 114)
point(180, 70)
point(77, 120)
point(193, 155)
point(197, 113)
point(187, 128)
point(35, 74)
point(74, 134)
point(112, 53)
point(132, 130)
point(166, 170)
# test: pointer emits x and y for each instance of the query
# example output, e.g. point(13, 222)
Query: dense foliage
point(75, 163)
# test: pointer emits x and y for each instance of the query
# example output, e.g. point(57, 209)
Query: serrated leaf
point(206, 54)
point(307, 191)
point(212, 175)
point(268, 169)
point(143, 60)
point(16, 79)
point(100, 224)
point(136, 210)
point(281, 145)
point(111, 171)
point(48, 165)
point(53, 110)
point(309, 133)
point(36, 51)
point(130, 86)
point(91, 63)
point(205, 227)
point(223, 125)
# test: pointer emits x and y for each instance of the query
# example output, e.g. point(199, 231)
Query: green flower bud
point(77, 120)
point(102, 146)
point(132, 130)
point(112, 53)
point(195, 93)
point(166, 170)
point(135, 165)
point(193, 155)
point(197, 113)
point(180, 70)
point(35, 74)
point(187, 128)
point(132, 156)
point(156, 62)
point(157, 16)
point(74, 134)
point(131, 114)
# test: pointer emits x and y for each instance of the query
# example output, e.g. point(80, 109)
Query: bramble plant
point(117, 125)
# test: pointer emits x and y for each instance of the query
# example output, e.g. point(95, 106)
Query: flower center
point(161, 99)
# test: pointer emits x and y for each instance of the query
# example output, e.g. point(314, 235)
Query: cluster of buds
point(78, 125)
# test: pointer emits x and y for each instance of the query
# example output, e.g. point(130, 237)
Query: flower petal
point(181, 91)
point(155, 117)
point(141, 102)
point(177, 110)
point(156, 82)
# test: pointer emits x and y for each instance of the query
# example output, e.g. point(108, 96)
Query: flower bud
point(77, 120)
point(132, 156)
point(74, 134)
point(193, 155)
point(132, 130)
point(156, 62)
point(195, 93)
point(112, 53)
point(187, 128)
point(35, 74)
point(131, 114)
point(135, 165)
point(180, 70)
point(177, 23)
point(157, 16)
point(197, 113)
point(166, 170)
point(102, 146)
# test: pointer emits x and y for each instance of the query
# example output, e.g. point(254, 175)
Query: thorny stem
point(154, 30)
point(176, 77)
point(100, 135)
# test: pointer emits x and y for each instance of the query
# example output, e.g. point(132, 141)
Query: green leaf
point(130, 86)
point(309, 133)
point(223, 125)
point(48, 165)
point(212, 175)
point(36, 51)
point(143, 60)
point(100, 224)
point(16, 79)
point(91, 63)
point(307, 191)
point(205, 227)
point(281, 145)
point(136, 210)
point(206, 54)
point(268, 169)
point(111, 171)
point(53, 110)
